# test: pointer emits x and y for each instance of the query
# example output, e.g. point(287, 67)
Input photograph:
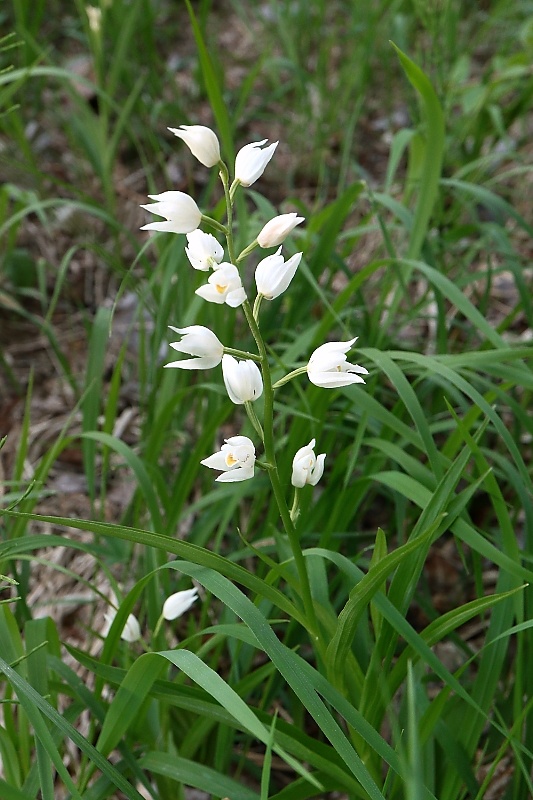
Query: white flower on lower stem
point(273, 274)
point(131, 631)
point(201, 141)
point(224, 286)
point(198, 341)
point(306, 467)
point(329, 368)
point(203, 250)
point(242, 380)
point(179, 209)
point(236, 460)
point(179, 602)
point(251, 161)
point(94, 16)
point(277, 229)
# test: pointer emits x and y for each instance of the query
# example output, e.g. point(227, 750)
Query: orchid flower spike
point(251, 161)
point(179, 602)
point(242, 380)
point(329, 368)
point(224, 285)
point(179, 209)
point(236, 459)
point(200, 342)
point(203, 251)
point(277, 229)
point(273, 274)
point(131, 631)
point(201, 141)
point(306, 467)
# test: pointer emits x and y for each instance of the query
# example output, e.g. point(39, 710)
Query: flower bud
point(131, 631)
point(277, 229)
point(242, 379)
point(179, 602)
point(201, 141)
point(251, 161)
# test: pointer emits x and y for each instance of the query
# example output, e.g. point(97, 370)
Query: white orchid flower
point(179, 602)
point(236, 460)
point(306, 467)
point(242, 380)
point(203, 251)
point(198, 341)
point(94, 16)
point(251, 161)
point(277, 229)
point(131, 631)
point(224, 286)
point(179, 209)
point(273, 274)
point(329, 368)
point(201, 141)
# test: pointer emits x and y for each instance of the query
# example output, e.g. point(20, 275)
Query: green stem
point(247, 250)
point(295, 510)
point(158, 626)
point(257, 306)
point(252, 416)
point(270, 453)
point(218, 226)
point(290, 376)
point(232, 351)
point(268, 430)
point(224, 177)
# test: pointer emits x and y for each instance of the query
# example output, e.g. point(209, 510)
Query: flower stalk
point(270, 453)
point(246, 375)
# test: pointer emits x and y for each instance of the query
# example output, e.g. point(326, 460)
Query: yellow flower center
point(220, 289)
point(230, 460)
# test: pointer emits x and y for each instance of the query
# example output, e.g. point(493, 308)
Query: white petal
point(299, 475)
point(165, 227)
point(318, 470)
point(209, 293)
point(235, 475)
point(236, 297)
point(341, 347)
point(332, 380)
point(216, 461)
point(202, 362)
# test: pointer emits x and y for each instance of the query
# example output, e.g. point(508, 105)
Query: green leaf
point(434, 151)
point(135, 687)
point(360, 597)
point(36, 706)
point(196, 775)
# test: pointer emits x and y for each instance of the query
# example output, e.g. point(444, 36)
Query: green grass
point(409, 677)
